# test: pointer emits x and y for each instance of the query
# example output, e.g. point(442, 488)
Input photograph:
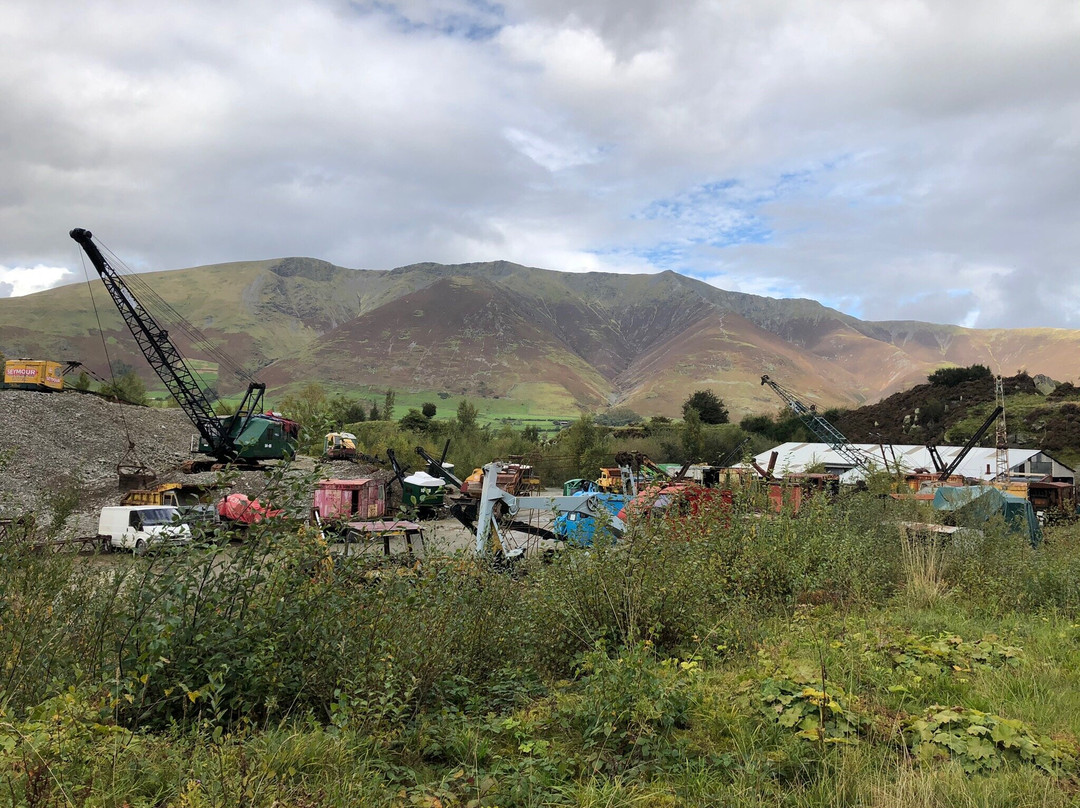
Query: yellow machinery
point(610, 481)
point(33, 374)
point(176, 495)
point(340, 445)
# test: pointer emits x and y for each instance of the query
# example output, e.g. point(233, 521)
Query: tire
point(141, 547)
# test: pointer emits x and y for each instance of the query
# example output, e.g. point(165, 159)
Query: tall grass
point(630, 673)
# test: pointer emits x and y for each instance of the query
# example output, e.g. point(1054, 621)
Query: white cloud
point(18, 281)
point(859, 153)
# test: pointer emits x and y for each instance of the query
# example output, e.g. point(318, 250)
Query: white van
point(140, 527)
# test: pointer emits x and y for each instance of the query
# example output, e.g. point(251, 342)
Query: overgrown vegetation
point(732, 659)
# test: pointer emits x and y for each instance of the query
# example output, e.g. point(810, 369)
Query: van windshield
point(157, 516)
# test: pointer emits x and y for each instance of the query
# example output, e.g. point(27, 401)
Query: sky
point(894, 159)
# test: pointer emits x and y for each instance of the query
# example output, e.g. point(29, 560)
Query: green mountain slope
point(560, 341)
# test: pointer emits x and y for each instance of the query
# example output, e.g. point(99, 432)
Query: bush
point(630, 705)
point(951, 377)
point(126, 387)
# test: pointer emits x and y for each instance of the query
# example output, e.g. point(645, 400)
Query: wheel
point(141, 547)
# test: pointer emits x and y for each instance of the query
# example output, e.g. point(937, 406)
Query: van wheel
point(140, 547)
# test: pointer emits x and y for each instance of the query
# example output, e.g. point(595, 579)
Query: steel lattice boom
point(825, 431)
point(247, 435)
point(156, 346)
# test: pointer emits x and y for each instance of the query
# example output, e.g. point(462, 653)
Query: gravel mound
point(61, 445)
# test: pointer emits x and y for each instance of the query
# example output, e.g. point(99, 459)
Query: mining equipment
point(245, 438)
point(943, 471)
point(439, 468)
point(1001, 435)
point(33, 374)
point(515, 479)
point(339, 446)
point(420, 491)
point(500, 527)
point(825, 431)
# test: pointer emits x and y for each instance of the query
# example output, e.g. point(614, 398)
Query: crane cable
point(152, 300)
point(131, 450)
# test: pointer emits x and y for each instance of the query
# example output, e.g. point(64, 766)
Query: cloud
point(18, 281)
point(864, 154)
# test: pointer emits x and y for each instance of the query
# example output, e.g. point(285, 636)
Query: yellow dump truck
point(184, 496)
point(33, 374)
point(172, 494)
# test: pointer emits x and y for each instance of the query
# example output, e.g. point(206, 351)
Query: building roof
point(980, 463)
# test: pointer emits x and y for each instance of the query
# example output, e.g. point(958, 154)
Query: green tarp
point(982, 502)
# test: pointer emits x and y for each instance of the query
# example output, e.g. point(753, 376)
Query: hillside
point(938, 414)
point(556, 342)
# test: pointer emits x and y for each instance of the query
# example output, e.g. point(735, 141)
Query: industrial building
point(979, 464)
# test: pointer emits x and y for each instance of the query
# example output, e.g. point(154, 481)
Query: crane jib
point(247, 433)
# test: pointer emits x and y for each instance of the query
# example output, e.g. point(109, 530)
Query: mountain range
point(559, 342)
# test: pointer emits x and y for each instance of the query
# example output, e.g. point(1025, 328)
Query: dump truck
point(189, 500)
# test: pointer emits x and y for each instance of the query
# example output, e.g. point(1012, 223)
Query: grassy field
point(520, 410)
point(731, 659)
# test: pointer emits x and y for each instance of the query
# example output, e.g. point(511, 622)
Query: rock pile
point(67, 445)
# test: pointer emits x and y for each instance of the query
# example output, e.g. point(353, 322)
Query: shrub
point(981, 741)
point(951, 377)
point(630, 705)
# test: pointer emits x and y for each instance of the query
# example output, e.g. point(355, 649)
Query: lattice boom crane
point(825, 431)
point(245, 436)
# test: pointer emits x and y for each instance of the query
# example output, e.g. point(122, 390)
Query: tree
point(388, 405)
point(586, 446)
point(128, 387)
point(375, 414)
point(428, 409)
point(709, 407)
point(345, 410)
point(466, 415)
point(415, 421)
point(83, 382)
point(693, 435)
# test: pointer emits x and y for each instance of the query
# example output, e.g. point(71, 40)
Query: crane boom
point(946, 473)
point(247, 434)
point(825, 431)
point(155, 344)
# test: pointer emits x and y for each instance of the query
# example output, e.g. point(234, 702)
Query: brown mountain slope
point(558, 340)
point(455, 335)
point(727, 353)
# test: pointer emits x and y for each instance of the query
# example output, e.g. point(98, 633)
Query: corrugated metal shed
point(979, 463)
